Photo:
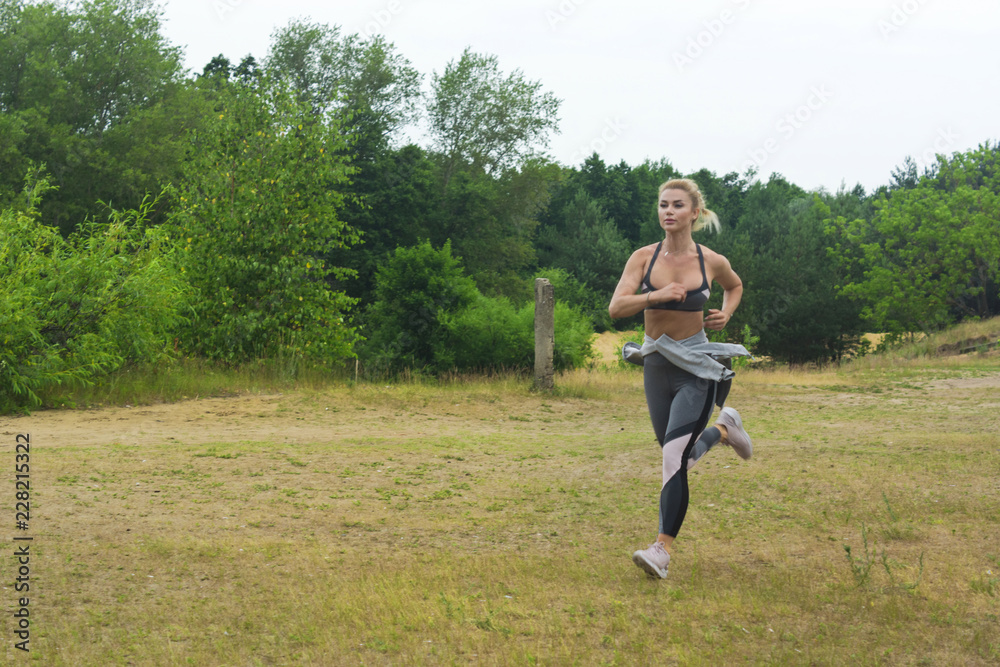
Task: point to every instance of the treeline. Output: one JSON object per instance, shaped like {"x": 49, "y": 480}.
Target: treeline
{"x": 275, "y": 208}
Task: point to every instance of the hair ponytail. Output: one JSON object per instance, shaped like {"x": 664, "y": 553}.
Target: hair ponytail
{"x": 707, "y": 220}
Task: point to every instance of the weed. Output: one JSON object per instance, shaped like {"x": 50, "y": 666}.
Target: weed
{"x": 892, "y": 515}
{"x": 986, "y": 586}
{"x": 489, "y": 624}
{"x": 861, "y": 565}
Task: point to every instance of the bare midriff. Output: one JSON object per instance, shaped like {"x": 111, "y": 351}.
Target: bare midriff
{"x": 676, "y": 324}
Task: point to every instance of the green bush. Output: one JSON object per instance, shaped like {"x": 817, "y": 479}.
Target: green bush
{"x": 573, "y": 337}
{"x": 490, "y": 333}
{"x": 73, "y": 310}
{"x": 429, "y": 317}
{"x": 414, "y": 290}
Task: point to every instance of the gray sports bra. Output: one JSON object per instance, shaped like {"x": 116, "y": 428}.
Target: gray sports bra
{"x": 695, "y": 299}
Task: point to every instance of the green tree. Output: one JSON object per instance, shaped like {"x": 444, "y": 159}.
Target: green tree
{"x": 591, "y": 249}
{"x": 373, "y": 88}
{"x": 797, "y": 311}
{"x": 374, "y": 93}
{"x": 258, "y": 211}
{"x": 481, "y": 118}
{"x": 590, "y": 245}
{"x": 399, "y": 202}
{"x": 220, "y": 72}
{"x": 778, "y": 247}
{"x": 491, "y": 220}
{"x": 931, "y": 254}
{"x": 626, "y": 194}
{"x": 906, "y": 175}
{"x": 727, "y": 196}
{"x": 91, "y": 90}
{"x": 487, "y": 128}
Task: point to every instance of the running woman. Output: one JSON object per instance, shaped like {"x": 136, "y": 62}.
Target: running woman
{"x": 670, "y": 282}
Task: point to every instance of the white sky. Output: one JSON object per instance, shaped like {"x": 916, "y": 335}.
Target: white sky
{"x": 822, "y": 91}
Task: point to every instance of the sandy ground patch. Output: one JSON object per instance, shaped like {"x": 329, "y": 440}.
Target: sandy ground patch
{"x": 608, "y": 346}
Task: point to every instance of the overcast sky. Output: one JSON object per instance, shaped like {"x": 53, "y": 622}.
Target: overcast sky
{"x": 822, "y": 92}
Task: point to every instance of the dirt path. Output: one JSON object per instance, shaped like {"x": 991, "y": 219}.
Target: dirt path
{"x": 302, "y": 417}
{"x": 210, "y": 419}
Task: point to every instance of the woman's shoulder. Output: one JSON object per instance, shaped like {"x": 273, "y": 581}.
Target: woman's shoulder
{"x": 714, "y": 259}
{"x": 645, "y": 251}
{"x": 640, "y": 258}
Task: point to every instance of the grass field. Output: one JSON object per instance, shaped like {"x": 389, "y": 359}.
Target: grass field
{"x": 478, "y": 522}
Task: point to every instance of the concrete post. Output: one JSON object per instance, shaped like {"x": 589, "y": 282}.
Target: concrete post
{"x": 545, "y": 332}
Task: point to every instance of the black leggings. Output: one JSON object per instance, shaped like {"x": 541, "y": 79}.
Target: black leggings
{"x": 680, "y": 405}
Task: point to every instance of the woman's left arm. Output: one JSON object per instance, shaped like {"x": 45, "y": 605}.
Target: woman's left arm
{"x": 723, "y": 273}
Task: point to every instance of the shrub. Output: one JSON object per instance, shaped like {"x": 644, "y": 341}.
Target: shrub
{"x": 428, "y": 316}
{"x": 492, "y": 334}
{"x": 573, "y": 338}
{"x": 414, "y": 290}
{"x": 74, "y": 310}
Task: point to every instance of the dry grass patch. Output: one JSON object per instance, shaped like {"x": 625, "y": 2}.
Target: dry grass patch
{"x": 481, "y": 522}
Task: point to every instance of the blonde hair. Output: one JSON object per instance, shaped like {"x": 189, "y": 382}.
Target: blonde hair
{"x": 706, "y": 218}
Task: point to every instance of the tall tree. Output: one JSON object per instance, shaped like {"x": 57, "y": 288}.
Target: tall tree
{"x": 399, "y": 204}
{"x": 590, "y": 249}
{"x": 486, "y": 120}
{"x": 778, "y": 248}
{"x": 491, "y": 221}
{"x": 374, "y": 92}
{"x": 374, "y": 89}
{"x": 905, "y": 175}
{"x": 258, "y": 212}
{"x": 73, "y": 80}
{"x": 931, "y": 254}
{"x": 589, "y": 246}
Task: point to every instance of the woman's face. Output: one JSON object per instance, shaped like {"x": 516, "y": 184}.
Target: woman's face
{"x": 676, "y": 210}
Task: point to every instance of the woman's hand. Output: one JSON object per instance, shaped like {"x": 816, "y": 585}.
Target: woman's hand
{"x": 716, "y": 320}
{"x": 672, "y": 292}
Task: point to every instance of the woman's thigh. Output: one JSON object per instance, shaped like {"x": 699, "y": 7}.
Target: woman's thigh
{"x": 656, "y": 379}
{"x": 691, "y": 406}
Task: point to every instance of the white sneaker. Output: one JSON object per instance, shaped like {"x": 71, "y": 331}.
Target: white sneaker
{"x": 653, "y": 560}
{"x": 737, "y": 438}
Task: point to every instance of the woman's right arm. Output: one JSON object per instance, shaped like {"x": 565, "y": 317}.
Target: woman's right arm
{"x": 626, "y": 302}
